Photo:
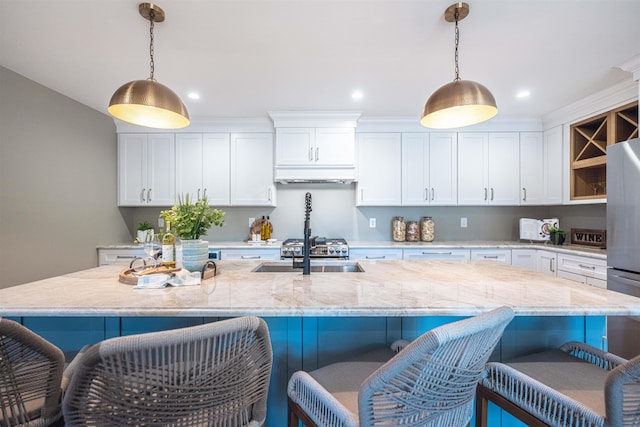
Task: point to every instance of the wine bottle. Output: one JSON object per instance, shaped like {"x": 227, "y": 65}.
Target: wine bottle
{"x": 266, "y": 229}
{"x": 169, "y": 248}
{"x": 263, "y": 224}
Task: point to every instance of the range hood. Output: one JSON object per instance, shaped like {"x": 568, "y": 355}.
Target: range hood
{"x": 315, "y": 147}
{"x": 315, "y": 176}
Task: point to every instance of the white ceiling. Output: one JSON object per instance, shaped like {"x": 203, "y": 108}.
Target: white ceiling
{"x": 249, "y": 57}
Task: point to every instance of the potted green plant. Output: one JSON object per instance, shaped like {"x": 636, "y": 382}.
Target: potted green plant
{"x": 556, "y": 235}
{"x": 189, "y": 221}
{"x": 143, "y": 230}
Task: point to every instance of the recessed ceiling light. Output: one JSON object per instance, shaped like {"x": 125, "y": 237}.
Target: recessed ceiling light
{"x": 523, "y": 94}
{"x": 357, "y": 95}
{"x": 193, "y": 95}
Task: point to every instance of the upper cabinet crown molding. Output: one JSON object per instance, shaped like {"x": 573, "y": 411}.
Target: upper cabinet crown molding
{"x": 315, "y": 119}
{"x": 210, "y": 125}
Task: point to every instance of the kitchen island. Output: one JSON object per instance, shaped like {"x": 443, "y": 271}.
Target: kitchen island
{"x": 317, "y": 319}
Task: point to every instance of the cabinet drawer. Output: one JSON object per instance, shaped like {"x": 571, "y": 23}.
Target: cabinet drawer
{"x": 250, "y": 254}
{"x": 374, "y": 254}
{"x": 501, "y": 255}
{"x": 110, "y": 256}
{"x": 588, "y": 267}
{"x": 450, "y": 254}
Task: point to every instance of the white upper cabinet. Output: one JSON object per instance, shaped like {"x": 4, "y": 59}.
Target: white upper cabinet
{"x": 429, "y": 169}
{"x": 315, "y": 147}
{"x": 553, "y": 166}
{"x": 146, "y": 169}
{"x": 203, "y": 167}
{"x": 252, "y": 169}
{"x": 488, "y": 166}
{"x": 379, "y": 162}
{"x": 531, "y": 168}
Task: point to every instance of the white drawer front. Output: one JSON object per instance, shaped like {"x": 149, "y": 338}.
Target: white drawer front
{"x": 110, "y": 256}
{"x": 588, "y": 267}
{"x": 450, "y": 254}
{"x": 500, "y": 255}
{"x": 250, "y": 254}
{"x": 375, "y": 254}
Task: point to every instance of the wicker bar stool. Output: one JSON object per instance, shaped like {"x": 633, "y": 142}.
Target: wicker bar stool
{"x": 30, "y": 378}
{"x": 212, "y": 374}
{"x": 431, "y": 382}
{"x": 576, "y": 385}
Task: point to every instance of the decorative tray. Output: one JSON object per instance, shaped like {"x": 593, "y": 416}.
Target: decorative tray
{"x": 130, "y": 275}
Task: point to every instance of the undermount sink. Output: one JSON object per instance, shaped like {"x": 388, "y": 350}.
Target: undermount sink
{"x": 321, "y": 267}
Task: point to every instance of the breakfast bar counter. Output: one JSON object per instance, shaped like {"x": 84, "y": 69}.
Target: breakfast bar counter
{"x": 322, "y": 317}
{"x": 385, "y": 288}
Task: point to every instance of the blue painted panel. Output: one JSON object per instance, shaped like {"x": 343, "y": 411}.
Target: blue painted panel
{"x": 277, "y": 402}
{"x": 141, "y": 325}
{"x": 69, "y": 334}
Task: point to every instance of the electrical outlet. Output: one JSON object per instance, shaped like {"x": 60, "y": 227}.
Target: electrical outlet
{"x": 463, "y": 222}
{"x": 372, "y": 223}
{"x": 251, "y": 221}
{"x": 160, "y": 222}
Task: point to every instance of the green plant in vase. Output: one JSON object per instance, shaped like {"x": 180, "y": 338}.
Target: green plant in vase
{"x": 144, "y": 232}
{"x": 189, "y": 221}
{"x": 556, "y": 235}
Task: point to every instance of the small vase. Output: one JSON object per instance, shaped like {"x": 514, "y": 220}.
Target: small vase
{"x": 195, "y": 254}
{"x": 557, "y": 238}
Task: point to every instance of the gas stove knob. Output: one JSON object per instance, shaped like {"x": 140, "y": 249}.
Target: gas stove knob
{"x": 343, "y": 249}
{"x": 331, "y": 249}
{"x": 297, "y": 249}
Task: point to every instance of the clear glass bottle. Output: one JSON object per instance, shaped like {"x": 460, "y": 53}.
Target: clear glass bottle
{"x": 399, "y": 229}
{"x": 413, "y": 231}
{"x": 427, "y": 229}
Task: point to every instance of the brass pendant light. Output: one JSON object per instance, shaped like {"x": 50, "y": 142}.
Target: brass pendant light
{"x": 461, "y": 102}
{"x": 147, "y": 102}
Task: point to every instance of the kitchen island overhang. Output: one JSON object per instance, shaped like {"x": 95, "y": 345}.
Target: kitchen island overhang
{"x": 318, "y": 319}
{"x": 385, "y": 288}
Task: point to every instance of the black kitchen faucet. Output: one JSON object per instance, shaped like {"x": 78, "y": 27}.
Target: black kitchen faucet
{"x": 306, "y": 261}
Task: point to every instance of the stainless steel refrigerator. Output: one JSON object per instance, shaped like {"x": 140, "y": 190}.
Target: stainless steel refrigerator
{"x": 623, "y": 241}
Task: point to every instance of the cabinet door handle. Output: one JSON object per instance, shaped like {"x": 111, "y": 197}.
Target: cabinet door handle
{"x": 524, "y": 192}
{"x": 375, "y": 257}
{"x": 492, "y": 194}
{"x": 142, "y": 196}
{"x": 204, "y": 193}
{"x": 317, "y": 153}
{"x": 250, "y": 256}
{"x": 148, "y": 195}
{"x": 551, "y": 265}
{"x": 491, "y": 257}
{"x": 433, "y": 194}
{"x": 198, "y": 194}
{"x": 426, "y": 194}
{"x": 269, "y": 194}
{"x": 437, "y": 253}
{"x": 311, "y": 154}
{"x": 485, "y": 193}
{"x": 589, "y": 267}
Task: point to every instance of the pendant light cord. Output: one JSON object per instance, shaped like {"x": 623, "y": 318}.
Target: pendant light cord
{"x": 152, "y": 16}
{"x": 457, "y": 39}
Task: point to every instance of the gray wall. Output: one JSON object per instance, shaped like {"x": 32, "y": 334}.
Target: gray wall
{"x": 57, "y": 182}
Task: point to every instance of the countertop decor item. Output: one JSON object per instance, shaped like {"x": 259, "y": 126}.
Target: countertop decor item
{"x": 556, "y": 235}
{"x": 461, "y": 102}
{"x": 147, "y": 102}
{"x": 189, "y": 221}
{"x": 143, "y": 230}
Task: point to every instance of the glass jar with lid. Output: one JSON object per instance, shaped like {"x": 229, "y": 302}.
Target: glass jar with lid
{"x": 413, "y": 231}
{"x": 399, "y": 229}
{"x": 427, "y": 229}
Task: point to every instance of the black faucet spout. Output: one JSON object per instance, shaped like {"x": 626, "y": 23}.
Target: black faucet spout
{"x": 306, "y": 260}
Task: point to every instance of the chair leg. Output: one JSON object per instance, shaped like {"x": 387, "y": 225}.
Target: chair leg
{"x": 296, "y": 414}
{"x": 485, "y": 395}
{"x": 481, "y": 407}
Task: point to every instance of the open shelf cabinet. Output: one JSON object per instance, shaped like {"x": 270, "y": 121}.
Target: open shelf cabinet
{"x": 589, "y": 141}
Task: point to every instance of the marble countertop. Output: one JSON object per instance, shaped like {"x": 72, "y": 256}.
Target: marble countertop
{"x": 568, "y": 249}
{"x": 386, "y": 288}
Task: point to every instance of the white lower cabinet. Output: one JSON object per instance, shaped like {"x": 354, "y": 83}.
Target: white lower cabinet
{"x": 585, "y": 270}
{"x": 500, "y": 255}
{"x": 268, "y": 254}
{"x": 547, "y": 262}
{"x": 110, "y": 256}
{"x": 374, "y": 254}
{"x": 443, "y": 254}
{"x": 525, "y": 258}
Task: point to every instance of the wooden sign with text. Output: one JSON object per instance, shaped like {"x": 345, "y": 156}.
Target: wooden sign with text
{"x": 583, "y": 236}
